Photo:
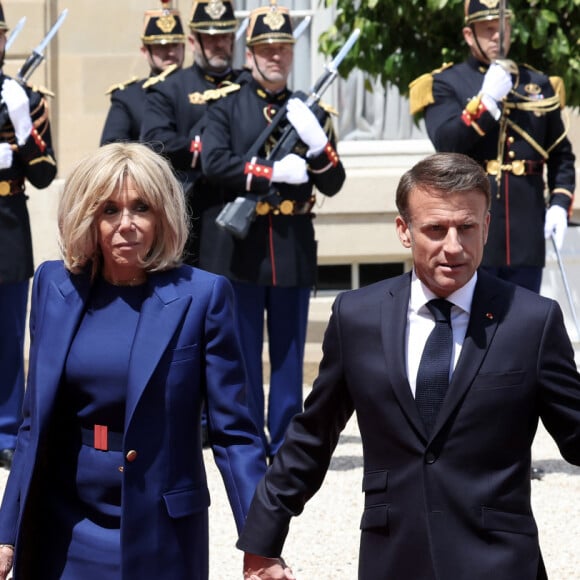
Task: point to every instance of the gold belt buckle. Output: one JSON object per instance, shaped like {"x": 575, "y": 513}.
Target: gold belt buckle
{"x": 286, "y": 207}
{"x": 493, "y": 167}
{"x": 4, "y": 188}
{"x": 262, "y": 208}
{"x": 518, "y": 167}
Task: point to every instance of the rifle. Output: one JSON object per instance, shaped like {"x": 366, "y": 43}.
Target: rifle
{"x": 237, "y": 216}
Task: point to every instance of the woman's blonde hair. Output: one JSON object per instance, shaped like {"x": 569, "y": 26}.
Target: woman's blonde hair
{"x": 100, "y": 175}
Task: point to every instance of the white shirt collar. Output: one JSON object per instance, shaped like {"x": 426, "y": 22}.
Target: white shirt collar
{"x": 462, "y": 298}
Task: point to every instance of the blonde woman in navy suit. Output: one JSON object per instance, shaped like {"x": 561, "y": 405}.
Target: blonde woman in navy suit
{"x": 108, "y": 479}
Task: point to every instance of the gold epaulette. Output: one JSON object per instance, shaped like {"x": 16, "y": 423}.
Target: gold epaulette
{"x": 215, "y": 94}
{"x": 560, "y": 89}
{"x": 328, "y": 108}
{"x": 121, "y": 86}
{"x": 160, "y": 77}
{"x": 42, "y": 90}
{"x": 421, "y": 90}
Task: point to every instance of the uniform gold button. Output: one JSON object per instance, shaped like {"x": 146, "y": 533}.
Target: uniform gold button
{"x": 131, "y": 455}
{"x": 511, "y": 154}
{"x": 4, "y": 187}
{"x": 510, "y": 140}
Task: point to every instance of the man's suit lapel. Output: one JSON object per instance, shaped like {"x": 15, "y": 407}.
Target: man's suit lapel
{"x": 487, "y": 309}
{"x": 394, "y": 321}
{"x": 160, "y": 316}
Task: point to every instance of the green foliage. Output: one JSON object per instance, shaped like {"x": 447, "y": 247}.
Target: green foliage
{"x": 402, "y": 39}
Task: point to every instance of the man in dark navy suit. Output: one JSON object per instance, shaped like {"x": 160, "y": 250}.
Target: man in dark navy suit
{"x": 446, "y": 471}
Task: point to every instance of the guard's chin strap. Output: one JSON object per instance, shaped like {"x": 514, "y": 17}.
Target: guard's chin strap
{"x": 257, "y": 67}
{"x": 155, "y": 70}
{"x": 482, "y": 52}
{"x": 205, "y": 60}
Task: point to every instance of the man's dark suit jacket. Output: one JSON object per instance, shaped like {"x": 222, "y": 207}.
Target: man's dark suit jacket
{"x": 455, "y": 506}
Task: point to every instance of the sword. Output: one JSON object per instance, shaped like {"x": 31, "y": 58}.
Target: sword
{"x": 501, "y": 15}
{"x": 37, "y": 55}
{"x": 566, "y": 287}
{"x": 15, "y": 32}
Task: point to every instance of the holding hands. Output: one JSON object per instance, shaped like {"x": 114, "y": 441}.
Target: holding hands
{"x": 261, "y": 568}
{"x": 6, "y": 559}
{"x": 306, "y": 125}
{"x": 18, "y": 107}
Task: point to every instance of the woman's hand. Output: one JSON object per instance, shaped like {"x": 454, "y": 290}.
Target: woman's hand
{"x": 6, "y": 559}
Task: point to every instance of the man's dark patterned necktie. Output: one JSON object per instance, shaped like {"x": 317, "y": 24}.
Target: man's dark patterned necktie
{"x": 433, "y": 373}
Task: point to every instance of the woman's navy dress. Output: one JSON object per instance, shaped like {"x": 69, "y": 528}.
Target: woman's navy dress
{"x": 83, "y": 502}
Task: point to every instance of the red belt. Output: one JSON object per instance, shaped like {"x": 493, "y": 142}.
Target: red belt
{"x": 101, "y": 438}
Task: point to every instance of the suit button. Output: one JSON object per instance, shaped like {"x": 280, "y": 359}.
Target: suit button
{"x": 131, "y": 455}
{"x": 430, "y": 458}
{"x": 121, "y": 468}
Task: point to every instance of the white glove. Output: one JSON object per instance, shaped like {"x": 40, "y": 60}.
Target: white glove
{"x": 497, "y": 83}
{"x": 18, "y": 107}
{"x": 290, "y": 169}
{"x": 306, "y": 125}
{"x": 556, "y": 224}
{"x": 5, "y": 156}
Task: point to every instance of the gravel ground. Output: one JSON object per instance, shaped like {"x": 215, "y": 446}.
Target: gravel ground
{"x": 323, "y": 541}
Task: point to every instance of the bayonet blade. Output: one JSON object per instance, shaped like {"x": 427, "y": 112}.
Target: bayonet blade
{"x": 15, "y": 32}
{"x": 44, "y": 43}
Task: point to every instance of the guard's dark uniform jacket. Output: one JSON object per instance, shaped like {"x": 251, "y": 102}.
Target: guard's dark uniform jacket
{"x": 514, "y": 150}
{"x": 172, "y": 125}
{"x": 125, "y": 116}
{"x": 280, "y": 249}
{"x": 174, "y": 106}
{"x": 35, "y": 162}
{"x": 123, "y": 122}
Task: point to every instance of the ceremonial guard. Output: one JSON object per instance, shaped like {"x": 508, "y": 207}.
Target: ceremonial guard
{"x": 25, "y": 154}
{"x": 507, "y": 117}
{"x": 176, "y": 104}
{"x": 164, "y": 49}
{"x": 274, "y": 268}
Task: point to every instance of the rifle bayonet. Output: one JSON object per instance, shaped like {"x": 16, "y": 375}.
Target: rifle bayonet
{"x": 37, "y": 55}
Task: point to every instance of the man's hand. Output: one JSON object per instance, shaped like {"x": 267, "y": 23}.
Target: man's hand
{"x": 6, "y": 156}
{"x": 18, "y": 107}
{"x": 556, "y": 224}
{"x": 290, "y": 169}
{"x": 307, "y": 126}
{"x": 261, "y": 568}
{"x": 497, "y": 82}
